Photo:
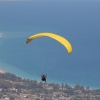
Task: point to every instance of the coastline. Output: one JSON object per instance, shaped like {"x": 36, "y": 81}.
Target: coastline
{"x": 2, "y": 71}
{"x": 22, "y": 74}
{"x": 49, "y": 81}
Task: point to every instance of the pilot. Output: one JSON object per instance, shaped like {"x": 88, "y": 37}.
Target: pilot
{"x": 43, "y": 78}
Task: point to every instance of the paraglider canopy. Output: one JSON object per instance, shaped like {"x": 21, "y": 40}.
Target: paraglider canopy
{"x": 56, "y": 37}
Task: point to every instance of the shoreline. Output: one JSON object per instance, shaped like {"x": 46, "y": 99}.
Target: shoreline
{"x": 25, "y": 75}
{"x": 49, "y": 81}
{"x": 2, "y": 71}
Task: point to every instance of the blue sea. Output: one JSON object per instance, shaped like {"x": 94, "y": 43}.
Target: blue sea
{"x": 76, "y": 20}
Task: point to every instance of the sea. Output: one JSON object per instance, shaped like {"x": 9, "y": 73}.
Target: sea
{"x": 76, "y": 20}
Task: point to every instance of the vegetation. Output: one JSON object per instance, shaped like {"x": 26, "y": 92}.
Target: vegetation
{"x": 16, "y": 88}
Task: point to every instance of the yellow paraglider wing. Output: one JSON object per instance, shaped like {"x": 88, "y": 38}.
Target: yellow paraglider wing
{"x": 58, "y": 38}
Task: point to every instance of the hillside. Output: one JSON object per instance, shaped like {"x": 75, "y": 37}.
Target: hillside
{"x": 17, "y": 88}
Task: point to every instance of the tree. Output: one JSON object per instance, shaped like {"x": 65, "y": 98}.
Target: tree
{"x": 12, "y": 98}
{"x": 77, "y": 87}
{"x": 67, "y": 86}
{"x": 69, "y": 91}
{"x": 62, "y": 86}
{"x": 87, "y": 88}
{"x": 37, "y": 99}
{"x": 1, "y": 95}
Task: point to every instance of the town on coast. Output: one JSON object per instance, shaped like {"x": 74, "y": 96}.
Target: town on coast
{"x": 13, "y": 87}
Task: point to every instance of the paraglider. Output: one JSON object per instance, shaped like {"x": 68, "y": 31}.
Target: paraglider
{"x": 43, "y": 78}
{"x": 56, "y": 37}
